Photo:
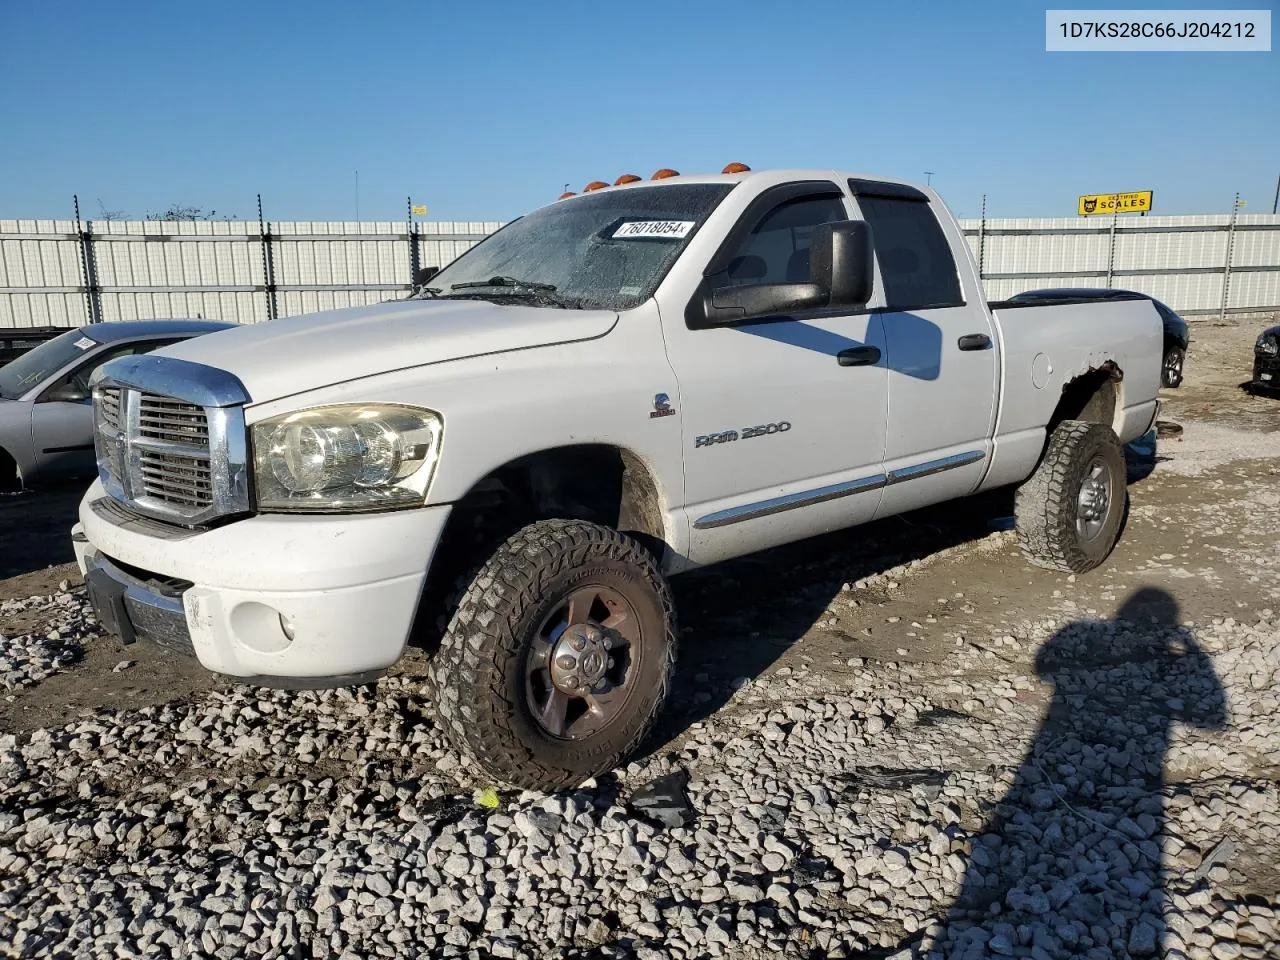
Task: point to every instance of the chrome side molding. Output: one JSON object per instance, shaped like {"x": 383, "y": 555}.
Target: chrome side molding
{"x": 930, "y": 467}
{"x": 806, "y": 498}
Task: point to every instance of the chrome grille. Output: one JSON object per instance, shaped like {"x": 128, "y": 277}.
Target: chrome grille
{"x": 185, "y": 481}
{"x": 109, "y": 399}
{"x": 176, "y": 421}
{"x": 177, "y": 453}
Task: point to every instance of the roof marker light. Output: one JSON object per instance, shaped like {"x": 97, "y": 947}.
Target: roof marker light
{"x": 594, "y": 185}
{"x": 664, "y": 173}
{"x": 736, "y": 167}
{"x": 626, "y": 178}
{"x": 566, "y": 195}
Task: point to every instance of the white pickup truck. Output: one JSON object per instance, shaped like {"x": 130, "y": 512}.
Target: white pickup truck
{"x": 620, "y": 386}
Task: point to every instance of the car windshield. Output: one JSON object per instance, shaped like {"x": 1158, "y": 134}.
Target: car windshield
{"x": 605, "y": 250}
{"x": 38, "y": 364}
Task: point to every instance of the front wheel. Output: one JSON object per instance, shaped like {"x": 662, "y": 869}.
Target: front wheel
{"x": 1070, "y": 511}
{"x": 1171, "y": 369}
{"x": 10, "y": 481}
{"x": 559, "y": 657}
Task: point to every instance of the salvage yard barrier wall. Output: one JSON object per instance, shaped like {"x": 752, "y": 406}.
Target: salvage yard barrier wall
{"x": 66, "y": 273}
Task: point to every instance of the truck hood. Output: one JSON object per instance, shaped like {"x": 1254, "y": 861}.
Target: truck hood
{"x": 280, "y": 358}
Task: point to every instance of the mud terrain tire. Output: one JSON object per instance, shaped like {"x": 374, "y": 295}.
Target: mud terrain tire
{"x": 1071, "y": 509}
{"x": 485, "y": 677}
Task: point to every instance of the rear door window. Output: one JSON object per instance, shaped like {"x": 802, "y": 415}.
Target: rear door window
{"x": 916, "y": 266}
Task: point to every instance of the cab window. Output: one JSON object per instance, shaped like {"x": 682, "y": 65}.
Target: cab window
{"x": 777, "y": 248}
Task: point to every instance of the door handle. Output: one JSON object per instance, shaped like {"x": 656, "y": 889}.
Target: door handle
{"x": 974, "y": 341}
{"x": 858, "y": 357}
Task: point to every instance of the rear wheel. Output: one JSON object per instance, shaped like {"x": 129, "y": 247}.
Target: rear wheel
{"x": 1171, "y": 369}
{"x": 1070, "y": 511}
{"x": 559, "y": 656}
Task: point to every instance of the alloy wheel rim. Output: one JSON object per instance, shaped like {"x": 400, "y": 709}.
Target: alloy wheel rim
{"x": 1093, "y": 502}
{"x": 582, "y": 665}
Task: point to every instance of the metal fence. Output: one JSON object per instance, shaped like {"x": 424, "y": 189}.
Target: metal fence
{"x": 68, "y": 272}
{"x": 1198, "y": 265}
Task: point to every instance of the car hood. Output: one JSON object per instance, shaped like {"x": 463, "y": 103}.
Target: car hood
{"x": 280, "y": 358}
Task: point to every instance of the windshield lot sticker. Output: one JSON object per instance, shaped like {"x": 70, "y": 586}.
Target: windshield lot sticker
{"x": 653, "y": 229}
{"x": 84, "y": 343}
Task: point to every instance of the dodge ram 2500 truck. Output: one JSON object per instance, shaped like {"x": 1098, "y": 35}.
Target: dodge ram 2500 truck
{"x": 620, "y": 386}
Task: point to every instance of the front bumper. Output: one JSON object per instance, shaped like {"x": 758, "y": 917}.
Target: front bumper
{"x": 283, "y": 600}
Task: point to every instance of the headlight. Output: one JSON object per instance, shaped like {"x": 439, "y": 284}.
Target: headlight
{"x": 356, "y": 456}
{"x": 1268, "y": 345}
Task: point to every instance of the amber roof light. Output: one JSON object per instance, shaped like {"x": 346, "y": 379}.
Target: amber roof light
{"x": 626, "y": 178}
{"x": 664, "y": 173}
{"x": 736, "y": 167}
{"x": 566, "y": 195}
{"x": 594, "y": 185}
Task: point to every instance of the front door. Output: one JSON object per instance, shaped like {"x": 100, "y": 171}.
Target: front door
{"x": 62, "y": 431}
{"x": 773, "y": 419}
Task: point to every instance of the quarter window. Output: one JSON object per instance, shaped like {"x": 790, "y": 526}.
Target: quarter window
{"x": 916, "y": 265}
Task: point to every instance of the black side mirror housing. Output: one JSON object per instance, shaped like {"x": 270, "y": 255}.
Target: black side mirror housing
{"x": 729, "y": 304}
{"x": 841, "y": 260}
{"x": 841, "y": 274}
{"x": 423, "y": 275}
{"x": 66, "y": 393}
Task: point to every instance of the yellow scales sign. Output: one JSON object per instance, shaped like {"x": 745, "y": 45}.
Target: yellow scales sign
{"x": 1100, "y": 203}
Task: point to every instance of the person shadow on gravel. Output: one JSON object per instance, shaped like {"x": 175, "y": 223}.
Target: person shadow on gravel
{"x": 1069, "y": 862}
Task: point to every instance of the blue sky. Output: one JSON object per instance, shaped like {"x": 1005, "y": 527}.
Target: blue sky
{"x": 483, "y": 110}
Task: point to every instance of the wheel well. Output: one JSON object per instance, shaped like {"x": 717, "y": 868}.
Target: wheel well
{"x": 9, "y": 478}
{"x": 594, "y": 482}
{"x": 1093, "y": 396}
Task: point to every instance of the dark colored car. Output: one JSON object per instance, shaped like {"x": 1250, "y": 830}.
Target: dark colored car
{"x": 1266, "y": 361}
{"x": 1176, "y": 334}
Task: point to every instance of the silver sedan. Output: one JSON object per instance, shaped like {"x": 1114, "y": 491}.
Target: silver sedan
{"x": 46, "y": 421}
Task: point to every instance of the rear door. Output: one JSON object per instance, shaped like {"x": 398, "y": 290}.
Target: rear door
{"x": 772, "y": 419}
{"x": 941, "y": 358}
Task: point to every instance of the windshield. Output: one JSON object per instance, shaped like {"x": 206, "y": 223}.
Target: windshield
{"x": 38, "y": 364}
{"x": 605, "y": 250}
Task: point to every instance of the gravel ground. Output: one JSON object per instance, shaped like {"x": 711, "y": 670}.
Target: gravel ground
{"x": 906, "y": 743}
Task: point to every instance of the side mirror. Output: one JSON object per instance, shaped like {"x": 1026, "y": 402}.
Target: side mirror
{"x": 66, "y": 393}
{"x": 423, "y": 275}
{"x": 729, "y": 304}
{"x": 841, "y": 258}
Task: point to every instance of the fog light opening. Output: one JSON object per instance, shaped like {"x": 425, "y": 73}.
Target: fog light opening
{"x": 261, "y": 628}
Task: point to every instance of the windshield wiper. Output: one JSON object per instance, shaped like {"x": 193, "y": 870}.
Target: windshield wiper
{"x": 423, "y": 292}
{"x": 511, "y": 288}
{"x": 504, "y": 282}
